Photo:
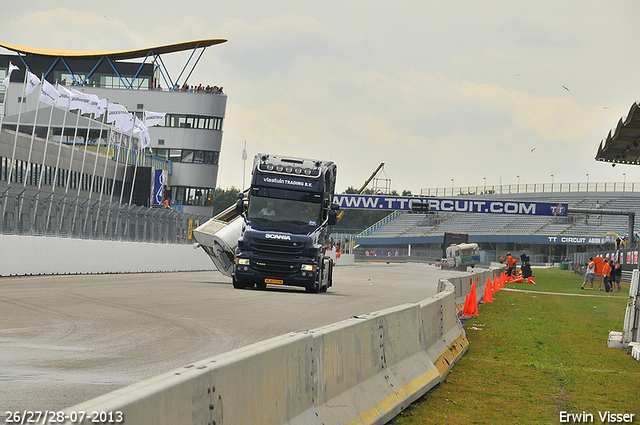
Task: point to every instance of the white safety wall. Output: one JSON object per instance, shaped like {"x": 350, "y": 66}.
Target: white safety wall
{"x": 32, "y": 255}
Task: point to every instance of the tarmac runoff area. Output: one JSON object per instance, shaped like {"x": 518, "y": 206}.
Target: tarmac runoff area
{"x": 68, "y": 339}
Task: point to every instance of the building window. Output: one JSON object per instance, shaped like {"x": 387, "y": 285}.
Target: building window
{"x": 188, "y": 156}
{"x": 193, "y": 121}
{"x": 198, "y": 196}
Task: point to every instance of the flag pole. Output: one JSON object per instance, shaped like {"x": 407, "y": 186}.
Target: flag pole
{"x": 15, "y": 142}
{"x": 93, "y": 174}
{"x": 244, "y": 163}
{"x": 73, "y": 148}
{"x": 57, "y": 169}
{"x": 28, "y": 171}
{"x": 33, "y": 135}
{"x": 138, "y": 155}
{"x": 84, "y": 157}
{"x": 6, "y": 92}
{"x": 44, "y": 156}
{"x": 15, "y": 139}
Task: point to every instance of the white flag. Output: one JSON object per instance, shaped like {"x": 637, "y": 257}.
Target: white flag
{"x": 145, "y": 140}
{"x": 117, "y": 112}
{"x": 101, "y": 109}
{"x": 244, "y": 153}
{"x": 153, "y": 118}
{"x": 94, "y": 102}
{"x": 49, "y": 94}
{"x": 12, "y": 68}
{"x": 139, "y": 126}
{"x": 80, "y": 101}
{"x": 124, "y": 123}
{"x": 32, "y": 82}
{"x": 64, "y": 96}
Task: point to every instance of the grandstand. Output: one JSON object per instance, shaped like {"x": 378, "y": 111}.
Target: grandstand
{"x": 499, "y": 233}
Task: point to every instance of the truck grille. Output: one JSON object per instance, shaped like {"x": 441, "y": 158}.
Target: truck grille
{"x": 277, "y": 247}
{"x": 275, "y": 268}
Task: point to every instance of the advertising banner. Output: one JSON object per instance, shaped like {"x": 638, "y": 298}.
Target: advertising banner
{"x": 159, "y": 182}
{"x": 408, "y": 203}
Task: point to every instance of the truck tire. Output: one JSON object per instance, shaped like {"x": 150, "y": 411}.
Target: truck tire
{"x": 236, "y": 284}
{"x": 314, "y": 289}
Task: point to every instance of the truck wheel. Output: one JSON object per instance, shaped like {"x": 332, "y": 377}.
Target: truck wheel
{"x": 236, "y": 284}
{"x": 315, "y": 288}
{"x": 330, "y": 274}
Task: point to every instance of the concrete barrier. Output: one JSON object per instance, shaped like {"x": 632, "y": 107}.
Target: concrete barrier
{"x": 32, "y": 255}
{"x": 363, "y": 370}
{"x": 343, "y": 260}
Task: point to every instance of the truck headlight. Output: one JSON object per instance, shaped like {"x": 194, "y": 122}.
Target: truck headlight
{"x": 242, "y": 261}
{"x": 308, "y": 268}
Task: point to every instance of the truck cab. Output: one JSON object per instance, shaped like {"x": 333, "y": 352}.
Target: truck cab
{"x": 287, "y": 221}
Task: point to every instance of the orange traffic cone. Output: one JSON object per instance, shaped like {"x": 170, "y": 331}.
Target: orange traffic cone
{"x": 470, "y": 307}
{"x": 488, "y": 292}
{"x": 496, "y": 284}
{"x": 531, "y": 280}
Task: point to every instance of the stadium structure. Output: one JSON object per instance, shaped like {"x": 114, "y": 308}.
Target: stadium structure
{"x": 601, "y": 218}
{"x": 186, "y": 144}
{"x": 543, "y": 238}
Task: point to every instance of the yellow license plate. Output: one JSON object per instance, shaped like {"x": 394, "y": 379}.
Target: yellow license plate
{"x": 279, "y": 282}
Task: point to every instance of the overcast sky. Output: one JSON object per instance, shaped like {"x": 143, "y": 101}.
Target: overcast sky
{"x": 462, "y": 90}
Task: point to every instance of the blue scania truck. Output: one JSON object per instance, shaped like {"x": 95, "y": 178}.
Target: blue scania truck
{"x": 280, "y": 233}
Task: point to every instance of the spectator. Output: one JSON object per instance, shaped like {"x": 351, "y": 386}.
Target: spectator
{"x": 591, "y": 271}
{"x": 510, "y": 264}
{"x": 617, "y": 275}
{"x": 606, "y": 273}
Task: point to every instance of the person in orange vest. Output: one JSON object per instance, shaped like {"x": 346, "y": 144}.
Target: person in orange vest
{"x": 509, "y": 264}
{"x": 606, "y": 273}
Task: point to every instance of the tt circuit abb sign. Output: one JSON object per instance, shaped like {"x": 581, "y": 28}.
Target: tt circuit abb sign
{"x": 464, "y": 205}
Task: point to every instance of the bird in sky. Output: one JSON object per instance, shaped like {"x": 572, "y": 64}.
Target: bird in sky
{"x": 565, "y": 88}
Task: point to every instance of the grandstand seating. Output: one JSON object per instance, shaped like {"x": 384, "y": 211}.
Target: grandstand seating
{"x": 412, "y": 224}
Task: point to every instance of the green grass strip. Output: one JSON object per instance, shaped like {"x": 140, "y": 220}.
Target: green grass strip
{"x": 534, "y": 354}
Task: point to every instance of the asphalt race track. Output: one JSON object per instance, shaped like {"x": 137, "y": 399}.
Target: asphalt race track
{"x": 67, "y": 339}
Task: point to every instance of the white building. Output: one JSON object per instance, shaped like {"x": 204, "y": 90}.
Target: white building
{"x": 187, "y": 144}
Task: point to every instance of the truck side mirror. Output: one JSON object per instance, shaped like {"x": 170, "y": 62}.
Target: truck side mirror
{"x": 333, "y": 217}
{"x": 333, "y": 214}
{"x": 240, "y": 204}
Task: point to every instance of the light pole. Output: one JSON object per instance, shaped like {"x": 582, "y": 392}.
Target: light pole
{"x": 624, "y": 180}
{"x": 518, "y": 177}
{"x": 452, "y": 182}
{"x": 552, "y": 182}
{"x": 485, "y": 184}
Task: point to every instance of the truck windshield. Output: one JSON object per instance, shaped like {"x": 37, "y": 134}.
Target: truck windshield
{"x": 284, "y": 214}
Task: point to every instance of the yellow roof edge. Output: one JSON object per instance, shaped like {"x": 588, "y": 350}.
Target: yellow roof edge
{"x": 113, "y": 54}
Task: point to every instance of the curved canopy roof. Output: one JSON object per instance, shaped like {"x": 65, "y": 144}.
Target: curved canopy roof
{"x": 623, "y": 145}
{"x": 112, "y": 54}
